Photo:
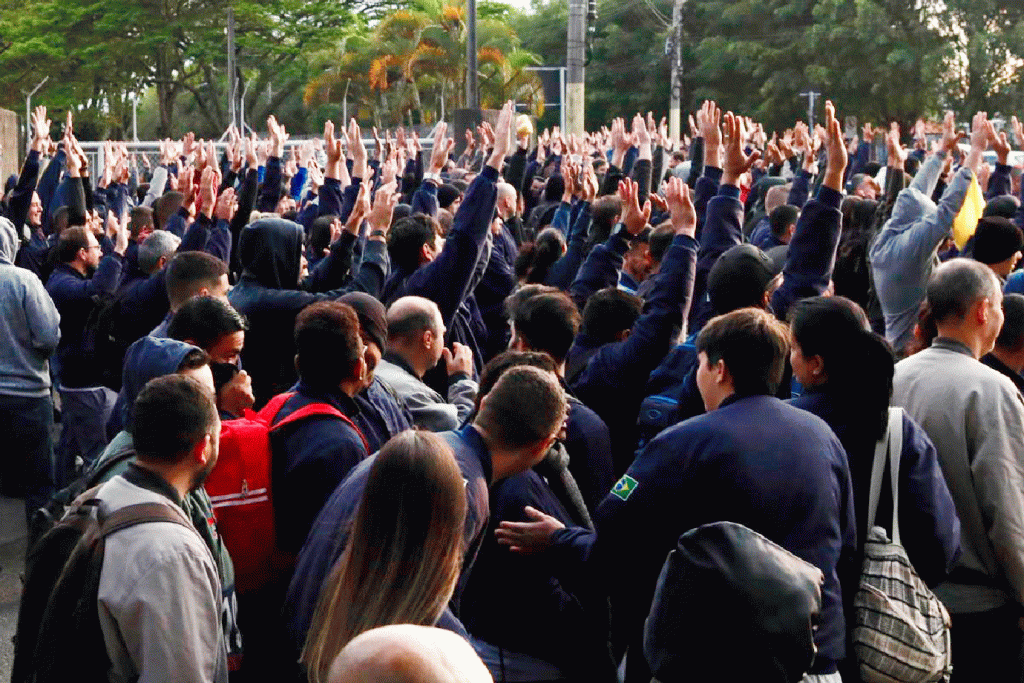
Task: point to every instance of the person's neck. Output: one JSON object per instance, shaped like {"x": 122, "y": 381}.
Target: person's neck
{"x": 1011, "y": 359}
{"x": 79, "y": 267}
{"x": 502, "y": 459}
{"x": 413, "y": 358}
{"x": 350, "y": 387}
{"x": 177, "y": 478}
{"x": 967, "y": 337}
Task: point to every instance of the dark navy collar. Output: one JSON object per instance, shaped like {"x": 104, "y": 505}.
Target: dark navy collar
{"x": 471, "y": 437}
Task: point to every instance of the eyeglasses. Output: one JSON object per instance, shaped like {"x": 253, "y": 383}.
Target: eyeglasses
{"x": 92, "y": 246}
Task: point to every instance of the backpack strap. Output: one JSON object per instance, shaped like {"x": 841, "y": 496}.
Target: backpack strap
{"x": 313, "y": 410}
{"x": 142, "y": 513}
{"x": 273, "y": 407}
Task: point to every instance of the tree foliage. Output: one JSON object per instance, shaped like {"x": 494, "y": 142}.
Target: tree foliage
{"x": 412, "y": 67}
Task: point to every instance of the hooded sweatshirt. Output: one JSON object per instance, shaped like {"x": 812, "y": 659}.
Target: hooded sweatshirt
{"x": 146, "y": 359}
{"x": 29, "y": 324}
{"x": 270, "y": 295}
{"x": 903, "y": 255}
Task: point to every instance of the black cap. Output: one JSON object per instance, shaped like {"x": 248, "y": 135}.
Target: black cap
{"x": 739, "y": 278}
{"x": 996, "y": 239}
{"x": 372, "y": 316}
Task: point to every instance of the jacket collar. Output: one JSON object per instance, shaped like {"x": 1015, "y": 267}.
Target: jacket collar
{"x": 151, "y": 481}
{"x": 948, "y": 344}
{"x": 474, "y": 442}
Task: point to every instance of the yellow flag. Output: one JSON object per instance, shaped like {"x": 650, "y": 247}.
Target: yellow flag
{"x": 966, "y": 222}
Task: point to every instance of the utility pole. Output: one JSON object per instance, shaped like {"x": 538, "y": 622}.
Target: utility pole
{"x": 28, "y": 113}
{"x": 675, "y": 104}
{"x": 811, "y": 95}
{"x": 576, "y": 45}
{"x": 472, "y": 93}
{"x": 232, "y": 77}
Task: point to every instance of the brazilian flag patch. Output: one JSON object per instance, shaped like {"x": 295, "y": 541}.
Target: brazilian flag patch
{"x": 624, "y": 487}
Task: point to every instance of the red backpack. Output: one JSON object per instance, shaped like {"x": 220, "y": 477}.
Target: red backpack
{"x": 240, "y": 490}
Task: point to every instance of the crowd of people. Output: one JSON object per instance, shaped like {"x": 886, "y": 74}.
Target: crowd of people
{"x": 497, "y": 390}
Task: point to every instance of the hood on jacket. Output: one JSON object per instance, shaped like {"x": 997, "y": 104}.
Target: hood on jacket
{"x": 9, "y": 242}
{"x": 147, "y": 359}
{"x": 270, "y": 250}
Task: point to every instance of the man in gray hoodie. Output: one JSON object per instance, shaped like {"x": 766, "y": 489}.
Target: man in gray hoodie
{"x": 904, "y": 253}
{"x": 29, "y": 332}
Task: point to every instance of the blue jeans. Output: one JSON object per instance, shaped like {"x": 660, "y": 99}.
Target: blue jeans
{"x": 27, "y": 469}
{"x": 84, "y": 415}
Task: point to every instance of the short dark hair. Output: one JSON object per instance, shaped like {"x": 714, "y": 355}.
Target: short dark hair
{"x": 406, "y": 239}
{"x": 781, "y": 218}
{"x": 166, "y": 206}
{"x": 71, "y": 240}
{"x": 204, "y": 320}
{"x": 1011, "y": 335}
{"x": 327, "y": 343}
{"x": 525, "y": 405}
{"x": 549, "y": 322}
{"x": 660, "y": 240}
{"x": 603, "y": 213}
{"x": 139, "y": 218}
{"x": 609, "y": 312}
{"x": 190, "y": 271}
{"x": 171, "y": 415}
{"x": 956, "y": 285}
{"x": 59, "y": 220}
{"x": 754, "y": 346}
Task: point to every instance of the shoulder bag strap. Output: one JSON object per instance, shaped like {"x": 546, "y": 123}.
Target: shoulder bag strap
{"x": 142, "y": 513}
{"x": 877, "y": 468}
{"x": 895, "y": 451}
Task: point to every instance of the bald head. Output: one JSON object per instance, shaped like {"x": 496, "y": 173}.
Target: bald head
{"x": 410, "y": 316}
{"x": 958, "y": 284}
{"x": 506, "y": 199}
{"x": 776, "y": 197}
{"x": 408, "y": 654}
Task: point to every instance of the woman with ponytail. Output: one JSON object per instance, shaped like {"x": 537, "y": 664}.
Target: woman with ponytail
{"x": 536, "y": 258}
{"x": 846, "y": 371}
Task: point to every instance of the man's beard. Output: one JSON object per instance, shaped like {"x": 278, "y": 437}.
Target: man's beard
{"x": 199, "y": 478}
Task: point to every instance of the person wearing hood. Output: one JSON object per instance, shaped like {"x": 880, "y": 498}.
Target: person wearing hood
{"x": 904, "y": 253}
{"x": 275, "y": 287}
{"x": 30, "y": 331}
{"x": 448, "y": 275}
{"x": 147, "y": 359}
{"x": 77, "y": 286}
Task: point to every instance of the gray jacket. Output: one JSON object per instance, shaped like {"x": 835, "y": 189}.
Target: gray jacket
{"x": 29, "y": 324}
{"x": 904, "y": 253}
{"x": 975, "y": 417}
{"x": 159, "y": 598}
{"x": 429, "y": 409}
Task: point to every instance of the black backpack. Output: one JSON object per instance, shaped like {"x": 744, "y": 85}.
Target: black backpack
{"x": 58, "y": 637}
{"x": 101, "y": 341}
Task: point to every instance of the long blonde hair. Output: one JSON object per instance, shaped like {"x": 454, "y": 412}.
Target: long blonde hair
{"x": 404, "y": 553}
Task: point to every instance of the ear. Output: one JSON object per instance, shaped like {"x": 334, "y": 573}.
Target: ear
{"x": 721, "y": 372}
{"x": 201, "y": 450}
{"x": 428, "y": 339}
{"x": 203, "y": 291}
{"x": 425, "y": 254}
{"x": 816, "y": 364}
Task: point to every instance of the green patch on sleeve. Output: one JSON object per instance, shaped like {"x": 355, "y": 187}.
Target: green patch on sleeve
{"x": 624, "y": 487}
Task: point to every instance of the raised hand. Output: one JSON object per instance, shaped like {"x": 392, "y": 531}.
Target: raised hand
{"x": 981, "y": 131}
{"x": 225, "y": 208}
{"x": 502, "y": 136}
{"x": 1018, "y": 131}
{"x": 835, "y": 149}
{"x": 384, "y": 202}
{"x": 897, "y": 155}
{"x": 188, "y": 145}
{"x": 709, "y": 119}
{"x": 442, "y": 147}
{"x": 736, "y": 162}
{"x": 634, "y": 217}
{"x": 999, "y": 144}
{"x": 278, "y": 136}
{"x": 642, "y": 136}
{"x": 950, "y": 136}
{"x": 590, "y": 185}
{"x": 359, "y": 210}
{"x": 684, "y": 216}
{"x": 40, "y": 129}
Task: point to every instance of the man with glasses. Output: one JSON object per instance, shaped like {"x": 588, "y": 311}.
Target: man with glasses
{"x": 78, "y": 285}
